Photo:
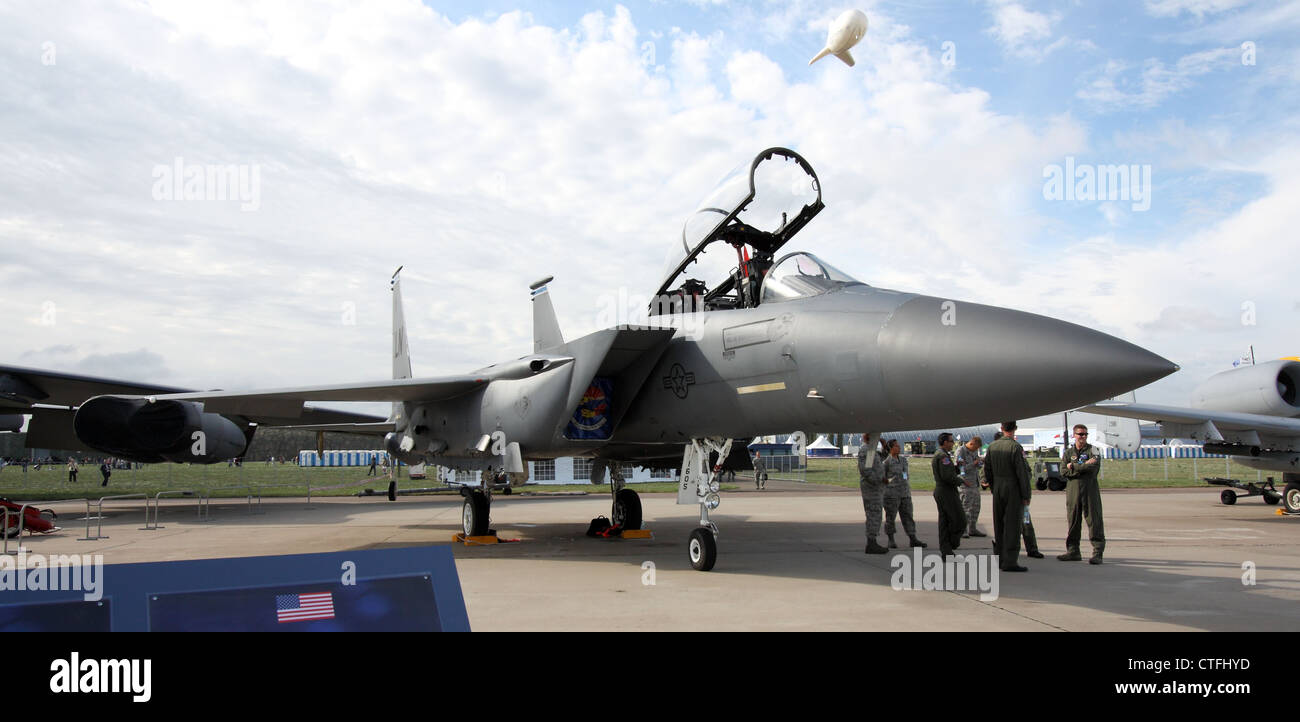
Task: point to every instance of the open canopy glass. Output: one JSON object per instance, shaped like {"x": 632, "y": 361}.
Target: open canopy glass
{"x": 728, "y": 242}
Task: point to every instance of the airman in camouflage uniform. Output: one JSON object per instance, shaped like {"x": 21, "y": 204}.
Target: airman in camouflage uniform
{"x": 760, "y": 471}
{"x": 1081, "y": 464}
{"x": 898, "y": 497}
{"x": 871, "y": 481}
{"x": 968, "y": 465}
{"x": 952, "y": 519}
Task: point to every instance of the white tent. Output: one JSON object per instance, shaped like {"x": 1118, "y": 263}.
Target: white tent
{"x": 822, "y": 447}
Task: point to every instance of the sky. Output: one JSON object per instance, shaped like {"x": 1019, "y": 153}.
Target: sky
{"x": 483, "y": 145}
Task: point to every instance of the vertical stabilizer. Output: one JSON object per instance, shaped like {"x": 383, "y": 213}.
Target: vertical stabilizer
{"x": 1119, "y": 432}
{"x": 1122, "y": 433}
{"x": 546, "y": 329}
{"x": 401, "y": 347}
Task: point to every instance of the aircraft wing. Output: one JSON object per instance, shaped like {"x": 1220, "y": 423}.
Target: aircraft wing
{"x": 377, "y": 428}
{"x": 34, "y": 391}
{"x": 20, "y": 388}
{"x": 288, "y": 403}
{"x": 1202, "y": 424}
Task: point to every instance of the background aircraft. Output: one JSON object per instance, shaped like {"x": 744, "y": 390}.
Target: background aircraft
{"x": 739, "y": 343}
{"x": 1249, "y": 413}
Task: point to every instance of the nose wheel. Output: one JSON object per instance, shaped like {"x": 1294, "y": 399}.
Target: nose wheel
{"x": 703, "y": 549}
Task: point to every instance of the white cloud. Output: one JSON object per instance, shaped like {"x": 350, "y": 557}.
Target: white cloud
{"x": 1199, "y": 8}
{"x": 1187, "y": 298}
{"x": 1113, "y": 88}
{"x": 485, "y": 154}
{"x": 1019, "y": 30}
{"x": 1264, "y": 19}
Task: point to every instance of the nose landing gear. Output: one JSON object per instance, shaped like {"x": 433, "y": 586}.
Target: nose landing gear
{"x": 701, "y": 487}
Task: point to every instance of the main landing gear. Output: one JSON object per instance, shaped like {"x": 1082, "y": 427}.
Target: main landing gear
{"x": 626, "y": 511}
{"x": 1291, "y": 494}
{"x": 702, "y": 548}
{"x": 476, "y": 511}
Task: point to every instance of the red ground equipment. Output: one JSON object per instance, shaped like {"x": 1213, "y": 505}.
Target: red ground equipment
{"x": 38, "y": 520}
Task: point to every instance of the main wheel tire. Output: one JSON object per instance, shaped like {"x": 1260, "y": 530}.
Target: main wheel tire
{"x": 627, "y": 509}
{"x": 1041, "y": 484}
{"x": 1228, "y": 497}
{"x": 703, "y": 550}
{"x": 12, "y": 531}
{"x": 1291, "y": 497}
{"x": 474, "y": 515}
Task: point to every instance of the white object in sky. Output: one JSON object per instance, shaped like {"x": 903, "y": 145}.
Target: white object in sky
{"x": 845, "y": 32}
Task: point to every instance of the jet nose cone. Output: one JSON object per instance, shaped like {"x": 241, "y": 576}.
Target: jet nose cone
{"x": 954, "y": 363}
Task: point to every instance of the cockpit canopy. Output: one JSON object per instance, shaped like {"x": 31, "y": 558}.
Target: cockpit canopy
{"x": 728, "y": 243}
{"x": 800, "y": 275}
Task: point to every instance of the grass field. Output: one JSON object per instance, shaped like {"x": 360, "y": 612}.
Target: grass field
{"x": 270, "y": 480}
{"x": 1131, "y": 474}
{"x": 221, "y": 481}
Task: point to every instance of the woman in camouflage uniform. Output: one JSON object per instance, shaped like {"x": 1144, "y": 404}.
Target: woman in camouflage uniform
{"x": 898, "y": 497}
{"x": 968, "y": 465}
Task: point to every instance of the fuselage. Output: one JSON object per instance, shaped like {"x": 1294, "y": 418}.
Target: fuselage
{"x": 855, "y": 358}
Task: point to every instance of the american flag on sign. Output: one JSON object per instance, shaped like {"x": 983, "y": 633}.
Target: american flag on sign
{"x": 301, "y": 607}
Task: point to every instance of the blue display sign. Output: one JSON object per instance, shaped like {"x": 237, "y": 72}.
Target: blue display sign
{"x": 402, "y": 589}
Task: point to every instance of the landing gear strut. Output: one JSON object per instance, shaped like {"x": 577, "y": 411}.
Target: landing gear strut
{"x": 702, "y": 488}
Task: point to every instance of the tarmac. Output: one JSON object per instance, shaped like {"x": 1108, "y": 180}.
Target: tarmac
{"x": 790, "y": 558}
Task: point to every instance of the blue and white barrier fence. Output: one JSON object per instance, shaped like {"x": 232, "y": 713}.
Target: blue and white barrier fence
{"x": 339, "y": 458}
{"x": 1162, "y": 452}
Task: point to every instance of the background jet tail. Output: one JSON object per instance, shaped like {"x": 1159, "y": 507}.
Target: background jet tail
{"x": 401, "y": 347}
{"x": 546, "y": 329}
{"x": 1121, "y": 433}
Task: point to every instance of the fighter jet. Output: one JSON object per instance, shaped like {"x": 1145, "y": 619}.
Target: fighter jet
{"x": 738, "y": 342}
{"x": 1251, "y": 413}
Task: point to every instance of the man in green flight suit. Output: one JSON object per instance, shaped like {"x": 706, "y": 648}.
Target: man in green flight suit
{"x": 1082, "y": 497}
{"x": 952, "y": 518}
{"x": 1008, "y": 475}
